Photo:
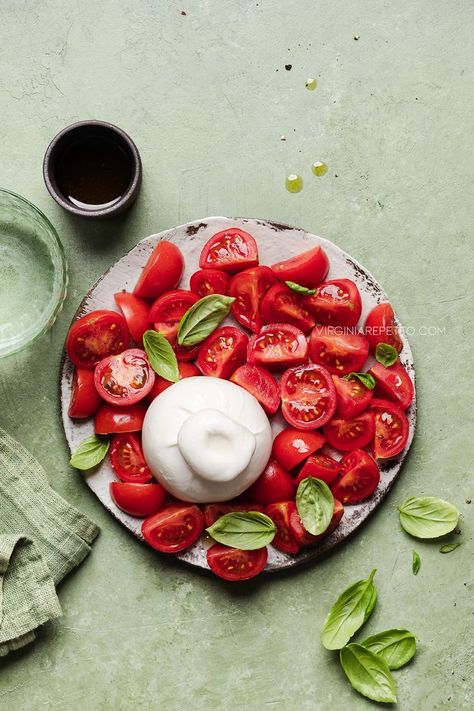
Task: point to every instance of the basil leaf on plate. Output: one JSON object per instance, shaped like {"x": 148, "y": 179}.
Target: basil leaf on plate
{"x": 315, "y": 504}
{"x": 365, "y": 378}
{"x": 449, "y": 547}
{"x": 245, "y": 530}
{"x": 396, "y": 647}
{"x": 90, "y": 452}
{"x": 352, "y": 608}
{"x": 203, "y": 318}
{"x": 386, "y": 354}
{"x": 368, "y": 673}
{"x": 415, "y": 563}
{"x": 428, "y": 517}
{"x": 300, "y": 289}
{"x": 161, "y": 355}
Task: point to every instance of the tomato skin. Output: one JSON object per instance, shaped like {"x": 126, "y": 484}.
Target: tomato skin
{"x": 168, "y": 309}
{"x": 336, "y": 302}
{"x": 280, "y": 514}
{"x": 229, "y": 250}
{"x": 96, "y": 335}
{"x": 282, "y": 305}
{"x": 308, "y": 396}
{"x": 319, "y": 466}
{"x": 248, "y": 289}
{"x": 307, "y": 269}
{"x": 127, "y": 460}
{"x": 303, "y": 537}
{"x": 352, "y": 433}
{"x": 85, "y": 400}
{"x": 278, "y": 345}
{"x": 341, "y": 353}
{"x": 234, "y": 564}
{"x": 186, "y": 353}
{"x": 209, "y": 281}
{"x": 292, "y": 446}
{"x": 173, "y": 528}
{"x": 391, "y": 428}
{"x": 135, "y": 312}
{"x": 274, "y": 484}
{"x": 222, "y": 352}
{"x": 110, "y": 419}
{"x": 352, "y": 397}
{"x": 213, "y": 512}
{"x": 359, "y": 478}
{"x": 393, "y": 383}
{"x": 259, "y": 383}
{"x": 124, "y": 379}
{"x": 138, "y": 500}
{"x": 162, "y": 271}
{"x": 380, "y": 327}
{"x": 186, "y": 370}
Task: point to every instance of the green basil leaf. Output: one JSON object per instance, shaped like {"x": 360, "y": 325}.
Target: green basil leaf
{"x": 203, "y": 318}
{"x": 365, "y": 378}
{"x": 90, "y": 452}
{"x": 386, "y": 354}
{"x": 428, "y": 517}
{"x": 245, "y": 530}
{"x": 352, "y": 608}
{"x": 396, "y": 647}
{"x": 161, "y": 355}
{"x": 415, "y": 563}
{"x": 368, "y": 673}
{"x": 449, "y": 547}
{"x": 315, "y": 504}
{"x": 300, "y": 289}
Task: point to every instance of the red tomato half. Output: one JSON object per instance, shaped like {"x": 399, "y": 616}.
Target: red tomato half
{"x": 209, "y": 281}
{"x": 230, "y": 250}
{"x": 135, "y": 312}
{"x": 186, "y": 353}
{"x": 259, "y": 383}
{"x": 186, "y": 370}
{"x": 213, "y": 512}
{"x": 274, "y": 484}
{"x": 174, "y": 528}
{"x": 336, "y": 302}
{"x": 350, "y": 434}
{"x": 339, "y": 352}
{"x": 308, "y": 396}
{"x": 95, "y": 336}
{"x": 110, "y": 419}
{"x": 352, "y": 396}
{"x": 282, "y": 305}
{"x": 137, "y": 499}
{"x": 359, "y": 478}
{"x": 307, "y": 269}
{"x": 393, "y": 383}
{"x": 280, "y": 514}
{"x": 248, "y": 289}
{"x": 162, "y": 272}
{"x": 127, "y": 460}
{"x": 124, "y": 379}
{"x": 277, "y": 346}
{"x": 291, "y": 446}
{"x": 380, "y": 328}
{"x": 391, "y": 429}
{"x": 168, "y": 310}
{"x": 319, "y": 466}
{"x": 85, "y": 400}
{"x": 235, "y": 564}
{"x": 222, "y": 352}
{"x": 303, "y": 537}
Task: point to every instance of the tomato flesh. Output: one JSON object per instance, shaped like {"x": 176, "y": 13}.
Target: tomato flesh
{"x": 213, "y": 512}
{"x": 230, "y": 250}
{"x": 336, "y": 302}
{"x": 303, "y": 537}
{"x": 222, "y": 352}
{"x": 124, "y": 379}
{"x": 292, "y": 446}
{"x": 186, "y": 370}
{"x": 359, "y": 478}
{"x": 319, "y": 466}
{"x": 248, "y": 289}
{"x": 352, "y": 396}
{"x": 259, "y": 383}
{"x": 380, "y": 327}
{"x": 85, "y": 400}
{"x": 174, "y": 528}
{"x": 135, "y": 312}
{"x": 127, "y": 460}
{"x": 393, "y": 383}
{"x": 274, "y": 484}
{"x": 339, "y": 352}
{"x": 209, "y": 281}
{"x": 110, "y": 419}
{"x": 352, "y": 433}
{"x": 168, "y": 310}
{"x": 138, "y": 500}
{"x": 282, "y": 305}
{"x": 280, "y": 514}
{"x": 162, "y": 271}
{"x": 307, "y": 269}
{"x": 235, "y": 564}
{"x": 95, "y": 336}
{"x": 308, "y": 396}
{"x": 278, "y": 345}
{"x": 391, "y": 429}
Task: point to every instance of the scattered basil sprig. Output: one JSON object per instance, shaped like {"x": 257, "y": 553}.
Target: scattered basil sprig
{"x": 161, "y": 355}
{"x": 396, "y": 647}
{"x": 315, "y": 504}
{"x": 90, "y": 452}
{"x": 203, "y": 318}
{"x": 428, "y": 517}
{"x": 386, "y": 354}
{"x": 300, "y": 289}
{"x": 352, "y": 608}
{"x": 245, "y": 530}
{"x": 365, "y": 378}
{"x": 368, "y": 673}
{"x": 449, "y": 547}
{"x": 415, "y": 563}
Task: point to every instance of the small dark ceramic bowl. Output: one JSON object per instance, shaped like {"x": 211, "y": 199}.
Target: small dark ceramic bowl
{"x": 74, "y": 135}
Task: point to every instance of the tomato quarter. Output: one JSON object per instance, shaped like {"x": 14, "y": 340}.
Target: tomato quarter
{"x": 259, "y": 383}
{"x": 303, "y": 537}
{"x": 110, "y": 419}
{"x": 278, "y": 345}
{"x": 124, "y": 379}
{"x": 336, "y": 302}
{"x": 308, "y": 396}
{"x": 162, "y": 272}
{"x": 282, "y": 305}
{"x": 292, "y": 446}
{"x": 393, "y": 383}
{"x": 352, "y": 396}
{"x": 137, "y": 499}
{"x": 391, "y": 429}
{"x": 95, "y": 336}
{"x": 127, "y": 460}
{"x": 186, "y": 370}
{"x": 222, "y": 352}
{"x": 380, "y": 327}
{"x": 274, "y": 484}
{"x": 338, "y": 351}
{"x": 168, "y": 310}
{"x": 235, "y": 564}
{"x": 209, "y": 281}
{"x": 352, "y": 433}
{"x": 174, "y": 528}
{"x": 248, "y": 289}
{"x": 359, "y": 478}
{"x": 319, "y": 466}
{"x": 307, "y": 269}
{"x": 280, "y": 514}
{"x": 135, "y": 312}
{"x": 85, "y": 400}
{"x": 230, "y": 250}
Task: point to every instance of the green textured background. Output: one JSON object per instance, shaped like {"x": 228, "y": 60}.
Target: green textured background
{"x": 206, "y": 98}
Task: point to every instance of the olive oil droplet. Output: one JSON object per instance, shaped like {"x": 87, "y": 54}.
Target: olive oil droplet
{"x": 319, "y": 168}
{"x": 294, "y": 183}
{"x": 311, "y": 84}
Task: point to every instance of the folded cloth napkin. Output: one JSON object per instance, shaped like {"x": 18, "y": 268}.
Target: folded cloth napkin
{"x": 42, "y": 538}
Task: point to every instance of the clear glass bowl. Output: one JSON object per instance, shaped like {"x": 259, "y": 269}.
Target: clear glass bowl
{"x": 33, "y": 273}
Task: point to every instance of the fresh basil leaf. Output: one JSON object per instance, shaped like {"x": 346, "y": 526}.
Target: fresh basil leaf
{"x": 203, "y": 318}
{"x": 428, "y": 517}
{"x": 245, "y": 530}
{"x": 300, "y": 289}
{"x": 449, "y": 547}
{"x": 415, "y": 563}
{"x": 90, "y": 452}
{"x": 161, "y": 355}
{"x": 315, "y": 504}
{"x": 352, "y": 608}
{"x": 396, "y": 647}
{"x": 368, "y": 673}
{"x": 365, "y": 378}
{"x": 386, "y": 354}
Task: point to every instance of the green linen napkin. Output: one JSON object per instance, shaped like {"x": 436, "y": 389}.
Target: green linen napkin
{"x": 42, "y": 538}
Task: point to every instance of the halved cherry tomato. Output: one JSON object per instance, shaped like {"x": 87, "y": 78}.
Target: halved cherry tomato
{"x": 291, "y": 446}
{"x": 380, "y": 327}
{"x": 230, "y": 250}
{"x": 393, "y": 383}
{"x": 278, "y": 345}
{"x": 336, "y": 302}
{"x": 319, "y": 466}
{"x": 222, "y": 352}
{"x": 274, "y": 484}
{"x": 186, "y": 353}
{"x": 352, "y": 433}
{"x": 352, "y": 396}
{"x": 307, "y": 269}
{"x": 124, "y": 379}
{"x": 186, "y": 370}
{"x": 391, "y": 428}
{"x": 168, "y": 310}
{"x": 282, "y": 305}
{"x": 174, "y": 528}
{"x": 280, "y": 514}
{"x": 135, "y": 312}
{"x": 209, "y": 281}
{"x": 359, "y": 478}
{"x": 235, "y": 564}
{"x": 308, "y": 396}
{"x": 85, "y": 400}
{"x": 95, "y": 336}
{"x": 127, "y": 460}
{"x": 110, "y": 419}
{"x": 213, "y": 512}
{"x": 339, "y": 352}
{"x": 248, "y": 289}
{"x": 303, "y": 537}
{"x": 137, "y": 499}
{"x": 162, "y": 271}
{"x": 259, "y": 383}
